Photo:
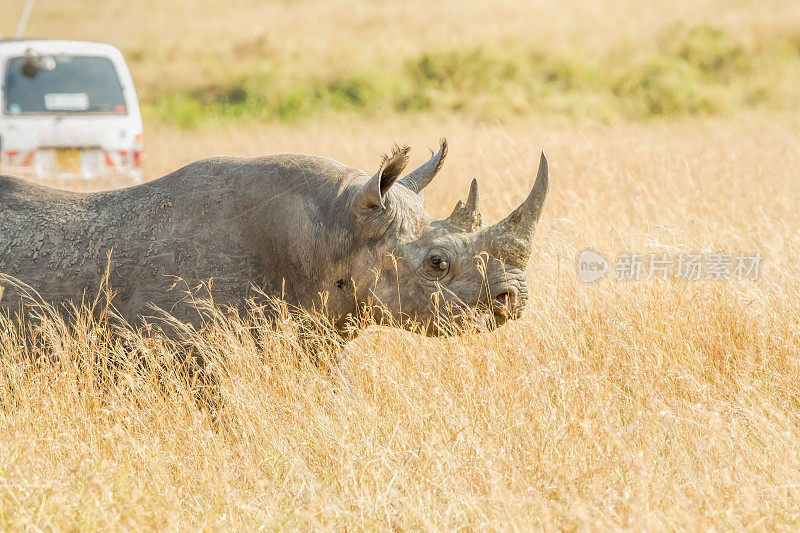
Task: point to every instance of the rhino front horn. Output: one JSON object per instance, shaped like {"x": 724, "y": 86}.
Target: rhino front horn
{"x": 519, "y": 226}
{"x": 421, "y": 177}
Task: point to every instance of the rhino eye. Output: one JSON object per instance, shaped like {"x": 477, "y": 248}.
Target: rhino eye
{"x": 437, "y": 266}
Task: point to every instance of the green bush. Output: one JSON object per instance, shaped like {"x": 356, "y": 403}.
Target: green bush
{"x": 684, "y": 71}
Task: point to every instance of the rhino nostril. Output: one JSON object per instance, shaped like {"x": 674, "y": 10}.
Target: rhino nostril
{"x": 503, "y": 303}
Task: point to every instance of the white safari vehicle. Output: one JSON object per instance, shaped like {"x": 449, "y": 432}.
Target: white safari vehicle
{"x": 69, "y": 110}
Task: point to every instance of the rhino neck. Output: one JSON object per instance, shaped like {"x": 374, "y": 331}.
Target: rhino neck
{"x": 297, "y": 226}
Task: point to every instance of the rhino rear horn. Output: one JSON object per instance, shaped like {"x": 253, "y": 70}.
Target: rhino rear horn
{"x": 372, "y": 193}
{"x": 421, "y": 177}
{"x": 467, "y": 217}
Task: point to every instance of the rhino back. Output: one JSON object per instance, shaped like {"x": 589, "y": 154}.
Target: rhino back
{"x": 149, "y": 236}
{"x": 274, "y": 222}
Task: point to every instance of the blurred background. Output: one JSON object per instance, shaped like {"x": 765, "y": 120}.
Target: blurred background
{"x": 208, "y": 63}
{"x": 197, "y": 62}
{"x": 618, "y": 89}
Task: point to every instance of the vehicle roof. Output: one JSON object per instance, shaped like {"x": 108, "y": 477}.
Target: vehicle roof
{"x": 54, "y": 46}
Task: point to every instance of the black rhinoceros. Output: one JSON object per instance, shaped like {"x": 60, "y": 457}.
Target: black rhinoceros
{"x": 298, "y": 227}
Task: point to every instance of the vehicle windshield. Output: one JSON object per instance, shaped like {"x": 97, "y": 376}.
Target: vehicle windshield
{"x": 65, "y": 84}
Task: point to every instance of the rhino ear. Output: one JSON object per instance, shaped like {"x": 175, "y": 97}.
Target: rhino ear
{"x": 371, "y": 195}
{"x": 421, "y": 177}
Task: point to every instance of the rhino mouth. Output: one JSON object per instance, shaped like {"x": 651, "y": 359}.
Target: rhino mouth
{"x": 504, "y": 305}
{"x": 508, "y": 302}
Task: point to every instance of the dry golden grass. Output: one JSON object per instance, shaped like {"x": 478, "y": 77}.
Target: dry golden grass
{"x": 642, "y": 405}
{"x": 646, "y": 405}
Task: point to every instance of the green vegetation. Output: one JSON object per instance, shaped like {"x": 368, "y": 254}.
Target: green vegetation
{"x": 685, "y": 71}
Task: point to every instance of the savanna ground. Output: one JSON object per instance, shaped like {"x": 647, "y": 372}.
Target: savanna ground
{"x": 671, "y": 126}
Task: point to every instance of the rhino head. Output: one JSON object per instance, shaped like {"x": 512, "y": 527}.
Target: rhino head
{"x": 437, "y": 274}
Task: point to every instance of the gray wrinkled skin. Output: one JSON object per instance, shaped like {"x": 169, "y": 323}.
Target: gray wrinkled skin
{"x": 298, "y": 227}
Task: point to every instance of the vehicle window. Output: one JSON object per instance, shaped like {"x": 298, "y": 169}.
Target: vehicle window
{"x": 72, "y": 84}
